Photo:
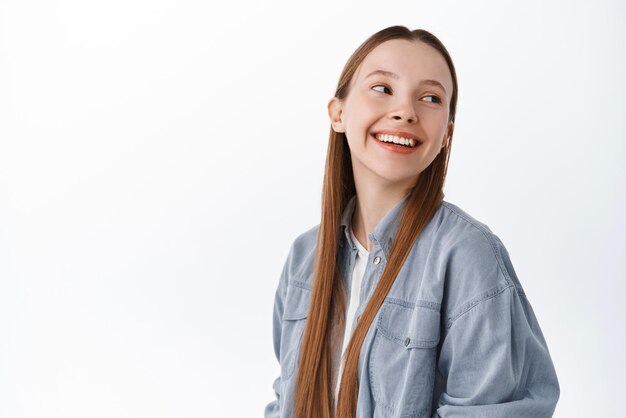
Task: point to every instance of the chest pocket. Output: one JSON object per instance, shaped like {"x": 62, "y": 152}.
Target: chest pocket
{"x": 403, "y": 359}
{"x": 295, "y": 312}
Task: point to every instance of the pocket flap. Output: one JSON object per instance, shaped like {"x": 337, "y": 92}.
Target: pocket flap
{"x": 296, "y": 302}
{"x": 411, "y": 326}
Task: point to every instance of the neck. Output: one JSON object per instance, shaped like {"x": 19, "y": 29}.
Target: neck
{"x": 374, "y": 200}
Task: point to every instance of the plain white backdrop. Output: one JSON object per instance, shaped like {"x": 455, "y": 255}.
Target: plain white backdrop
{"x": 157, "y": 158}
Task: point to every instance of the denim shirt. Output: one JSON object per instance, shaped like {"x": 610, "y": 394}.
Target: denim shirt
{"x": 455, "y": 337}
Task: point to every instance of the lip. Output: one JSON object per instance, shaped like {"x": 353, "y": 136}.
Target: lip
{"x": 396, "y": 132}
{"x": 397, "y": 149}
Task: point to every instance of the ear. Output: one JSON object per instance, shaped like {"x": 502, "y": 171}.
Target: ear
{"x": 449, "y": 131}
{"x": 335, "y": 110}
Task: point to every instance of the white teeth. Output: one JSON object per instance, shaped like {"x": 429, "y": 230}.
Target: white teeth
{"x": 395, "y": 139}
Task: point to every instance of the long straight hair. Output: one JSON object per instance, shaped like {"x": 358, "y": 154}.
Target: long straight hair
{"x": 314, "y": 394}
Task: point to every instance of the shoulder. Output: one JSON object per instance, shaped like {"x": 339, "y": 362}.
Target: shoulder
{"x": 471, "y": 242}
{"x": 306, "y": 241}
{"x": 467, "y": 236}
{"x": 473, "y": 259}
{"x": 301, "y": 258}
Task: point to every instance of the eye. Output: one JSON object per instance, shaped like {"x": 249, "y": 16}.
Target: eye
{"x": 382, "y": 85}
{"x": 436, "y": 99}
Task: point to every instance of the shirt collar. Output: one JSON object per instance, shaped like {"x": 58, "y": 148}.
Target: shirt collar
{"x": 384, "y": 233}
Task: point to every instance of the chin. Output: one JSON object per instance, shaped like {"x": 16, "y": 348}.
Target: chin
{"x": 407, "y": 180}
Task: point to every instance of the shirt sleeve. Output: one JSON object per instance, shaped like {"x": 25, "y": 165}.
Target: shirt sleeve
{"x": 494, "y": 361}
{"x": 272, "y": 410}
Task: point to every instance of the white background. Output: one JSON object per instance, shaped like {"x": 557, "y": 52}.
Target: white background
{"x": 157, "y": 158}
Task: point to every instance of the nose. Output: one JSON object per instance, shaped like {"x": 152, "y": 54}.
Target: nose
{"x": 405, "y": 111}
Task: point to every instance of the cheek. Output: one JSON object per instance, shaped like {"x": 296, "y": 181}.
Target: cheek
{"x": 436, "y": 131}
{"x": 365, "y": 108}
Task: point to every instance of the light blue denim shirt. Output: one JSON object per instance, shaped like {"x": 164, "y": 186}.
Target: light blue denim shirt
{"x": 455, "y": 337}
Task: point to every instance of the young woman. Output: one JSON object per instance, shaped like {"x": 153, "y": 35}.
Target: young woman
{"x": 399, "y": 303}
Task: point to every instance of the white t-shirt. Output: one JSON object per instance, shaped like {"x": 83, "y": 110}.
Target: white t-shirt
{"x": 353, "y": 304}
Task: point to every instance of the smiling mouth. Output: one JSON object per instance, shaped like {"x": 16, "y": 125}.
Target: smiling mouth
{"x": 397, "y": 140}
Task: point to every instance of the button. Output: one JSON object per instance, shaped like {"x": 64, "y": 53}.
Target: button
{"x": 407, "y": 342}
{"x": 376, "y": 260}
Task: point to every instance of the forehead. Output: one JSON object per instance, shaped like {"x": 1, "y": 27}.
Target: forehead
{"x": 411, "y": 60}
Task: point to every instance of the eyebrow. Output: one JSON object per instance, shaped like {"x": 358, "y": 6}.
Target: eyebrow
{"x": 396, "y": 76}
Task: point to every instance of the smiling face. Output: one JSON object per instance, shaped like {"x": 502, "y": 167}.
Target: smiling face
{"x": 402, "y": 88}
